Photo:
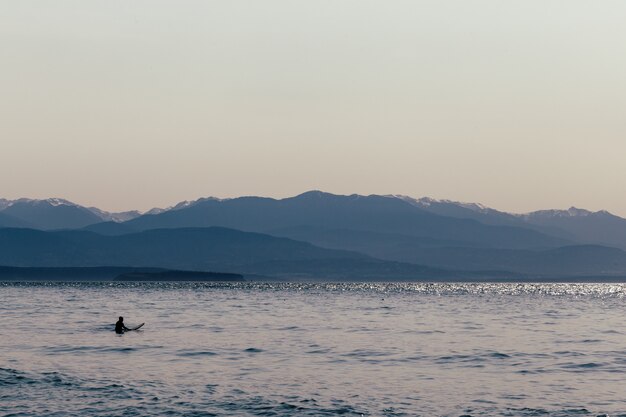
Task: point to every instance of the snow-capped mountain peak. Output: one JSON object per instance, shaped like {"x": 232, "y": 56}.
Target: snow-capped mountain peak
{"x": 182, "y": 205}
{"x": 59, "y": 202}
{"x": 576, "y": 212}
{"x": 114, "y": 217}
{"x": 4, "y": 203}
{"x": 55, "y": 202}
{"x": 426, "y": 202}
{"x": 555, "y": 213}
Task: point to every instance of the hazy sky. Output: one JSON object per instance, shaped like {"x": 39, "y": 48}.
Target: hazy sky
{"x": 133, "y": 104}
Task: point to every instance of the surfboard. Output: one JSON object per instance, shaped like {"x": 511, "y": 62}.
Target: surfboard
{"x": 138, "y": 327}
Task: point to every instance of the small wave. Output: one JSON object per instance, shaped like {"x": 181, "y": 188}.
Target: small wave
{"x": 472, "y": 358}
{"x": 366, "y": 353}
{"x": 318, "y": 351}
{"x": 288, "y": 328}
{"x": 568, "y": 353}
{"x": 196, "y": 353}
{"x": 12, "y": 377}
{"x": 260, "y": 406}
{"x": 423, "y": 332}
{"x": 588, "y": 365}
{"x": 100, "y": 349}
{"x": 499, "y": 355}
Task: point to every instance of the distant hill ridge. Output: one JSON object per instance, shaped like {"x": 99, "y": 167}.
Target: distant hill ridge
{"x": 468, "y": 224}
{"x": 322, "y": 210}
{"x": 205, "y": 249}
{"x": 256, "y": 254}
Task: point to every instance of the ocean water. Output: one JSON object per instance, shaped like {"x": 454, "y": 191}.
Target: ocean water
{"x": 313, "y": 349}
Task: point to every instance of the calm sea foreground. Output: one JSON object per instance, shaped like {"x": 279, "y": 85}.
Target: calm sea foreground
{"x": 313, "y": 349}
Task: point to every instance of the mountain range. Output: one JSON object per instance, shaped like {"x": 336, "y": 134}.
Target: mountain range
{"x": 318, "y": 235}
{"x": 55, "y": 213}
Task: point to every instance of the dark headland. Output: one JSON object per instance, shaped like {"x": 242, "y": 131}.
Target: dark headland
{"x": 180, "y": 276}
{"x": 110, "y": 273}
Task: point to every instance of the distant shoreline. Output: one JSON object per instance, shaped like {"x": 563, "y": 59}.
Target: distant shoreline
{"x": 111, "y": 273}
{"x": 130, "y": 274}
{"x": 177, "y": 276}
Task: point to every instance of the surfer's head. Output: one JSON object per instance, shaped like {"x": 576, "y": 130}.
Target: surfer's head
{"x": 121, "y": 318}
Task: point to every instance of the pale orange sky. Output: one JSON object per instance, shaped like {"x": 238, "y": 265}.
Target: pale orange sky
{"x": 518, "y": 105}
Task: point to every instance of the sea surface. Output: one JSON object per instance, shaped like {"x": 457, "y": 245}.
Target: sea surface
{"x": 253, "y": 349}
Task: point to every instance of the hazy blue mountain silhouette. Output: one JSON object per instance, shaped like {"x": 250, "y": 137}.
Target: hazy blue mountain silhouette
{"x": 202, "y": 249}
{"x": 564, "y": 261}
{"x": 568, "y": 260}
{"x": 166, "y": 248}
{"x": 464, "y": 224}
{"x": 377, "y": 244}
{"x": 599, "y": 227}
{"x": 360, "y": 213}
{"x": 228, "y": 250}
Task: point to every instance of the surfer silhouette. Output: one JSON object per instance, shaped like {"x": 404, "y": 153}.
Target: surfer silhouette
{"x": 119, "y": 326}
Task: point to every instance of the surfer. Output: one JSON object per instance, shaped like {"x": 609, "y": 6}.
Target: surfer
{"x": 119, "y": 326}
